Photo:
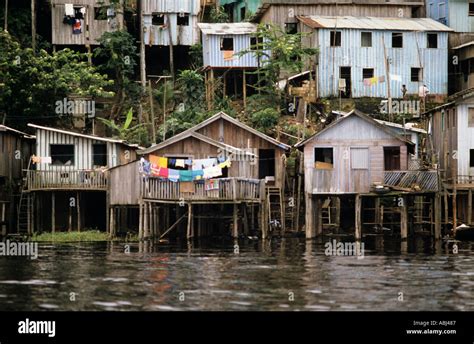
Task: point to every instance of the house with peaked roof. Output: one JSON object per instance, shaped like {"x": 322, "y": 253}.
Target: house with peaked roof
{"x": 67, "y": 180}
{"x": 354, "y": 157}
{"x": 257, "y": 166}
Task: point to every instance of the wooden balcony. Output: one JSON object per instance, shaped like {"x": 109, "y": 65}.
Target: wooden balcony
{"x": 412, "y": 181}
{"x": 226, "y": 190}
{"x": 66, "y": 180}
{"x": 460, "y": 181}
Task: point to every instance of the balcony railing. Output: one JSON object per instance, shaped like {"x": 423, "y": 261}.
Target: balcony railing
{"x": 67, "y": 180}
{"x": 222, "y": 189}
{"x": 461, "y": 181}
{"x": 419, "y": 181}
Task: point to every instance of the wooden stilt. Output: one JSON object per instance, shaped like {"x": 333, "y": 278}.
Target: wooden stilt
{"x": 404, "y": 219}
{"x": 319, "y": 216}
{"x": 235, "y": 222}
{"x": 455, "y": 210}
{"x": 112, "y": 222}
{"x": 469, "y": 207}
{"x": 53, "y": 212}
{"x": 190, "y": 221}
{"x": 338, "y": 213}
{"x": 377, "y": 211}
{"x": 140, "y": 220}
{"x": 78, "y": 212}
{"x": 263, "y": 219}
{"x": 358, "y": 218}
{"x": 3, "y": 219}
{"x": 244, "y": 89}
{"x": 245, "y": 219}
{"x": 437, "y": 216}
{"x": 310, "y": 217}
{"x": 446, "y": 208}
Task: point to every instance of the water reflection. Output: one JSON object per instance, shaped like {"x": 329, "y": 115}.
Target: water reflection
{"x": 279, "y": 274}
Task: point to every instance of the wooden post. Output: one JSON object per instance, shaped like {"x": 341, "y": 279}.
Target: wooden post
{"x": 5, "y": 24}
{"x": 3, "y": 218}
{"x": 33, "y": 26}
{"x": 53, "y": 212}
{"x": 455, "y": 208}
{"x": 69, "y": 228}
{"x": 404, "y": 219}
{"x": 112, "y": 220}
{"x": 446, "y": 208}
{"x": 244, "y": 90}
{"x": 437, "y": 216}
{"x": 152, "y": 111}
{"x": 319, "y": 217}
{"x": 377, "y": 211}
{"x": 309, "y": 217}
{"x": 190, "y": 221}
{"x": 245, "y": 219}
{"x": 263, "y": 219}
{"x": 338, "y": 212}
{"x": 78, "y": 211}
{"x": 358, "y": 219}
{"x": 170, "y": 37}
{"x": 469, "y": 207}
{"x": 140, "y": 220}
{"x": 235, "y": 222}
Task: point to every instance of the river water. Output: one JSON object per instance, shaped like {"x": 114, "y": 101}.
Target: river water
{"x": 279, "y": 275}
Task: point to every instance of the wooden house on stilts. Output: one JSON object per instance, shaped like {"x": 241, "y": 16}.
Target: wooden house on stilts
{"x": 15, "y": 150}
{"x": 68, "y": 179}
{"x": 360, "y": 168}
{"x": 238, "y": 194}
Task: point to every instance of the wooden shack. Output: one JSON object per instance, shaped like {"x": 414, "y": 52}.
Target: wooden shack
{"x": 355, "y": 162}
{"x": 451, "y": 128}
{"x": 83, "y": 22}
{"x": 67, "y": 182}
{"x": 227, "y": 56}
{"x": 15, "y": 150}
{"x": 243, "y": 189}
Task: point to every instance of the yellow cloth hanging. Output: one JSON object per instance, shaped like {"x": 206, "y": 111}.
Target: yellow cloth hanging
{"x": 225, "y": 164}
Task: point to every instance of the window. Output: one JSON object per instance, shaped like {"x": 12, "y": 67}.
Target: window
{"x": 471, "y": 8}
{"x": 415, "y": 74}
{"x": 242, "y": 13}
{"x": 62, "y": 155}
{"x": 442, "y": 13}
{"x": 183, "y": 19}
{"x": 158, "y": 19}
{"x": 335, "y": 39}
{"x": 397, "y": 40}
{"x": 471, "y": 157}
{"x": 359, "y": 158}
{"x": 255, "y": 43}
{"x": 470, "y": 118}
{"x": 454, "y": 118}
{"x": 391, "y": 158}
{"x": 366, "y": 39}
{"x": 99, "y": 154}
{"x": 227, "y": 43}
{"x": 367, "y": 73}
{"x": 323, "y": 158}
{"x": 432, "y": 40}
{"x": 291, "y": 28}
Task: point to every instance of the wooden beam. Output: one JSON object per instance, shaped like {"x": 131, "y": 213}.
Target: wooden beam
{"x": 245, "y": 219}
{"x": 404, "y": 219}
{"x": 309, "y": 217}
{"x": 235, "y": 222}
{"x": 469, "y": 207}
{"x": 319, "y": 216}
{"x": 437, "y": 216}
{"x": 78, "y": 211}
{"x": 358, "y": 219}
{"x": 173, "y": 226}
{"x": 189, "y": 234}
{"x": 53, "y": 212}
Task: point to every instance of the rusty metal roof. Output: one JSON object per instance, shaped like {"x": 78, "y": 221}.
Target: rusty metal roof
{"x": 228, "y": 28}
{"x": 373, "y": 23}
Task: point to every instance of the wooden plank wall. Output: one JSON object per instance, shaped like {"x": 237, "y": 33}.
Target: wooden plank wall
{"x": 124, "y": 184}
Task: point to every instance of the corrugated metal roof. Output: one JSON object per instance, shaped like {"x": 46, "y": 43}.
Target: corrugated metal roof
{"x": 228, "y": 28}
{"x": 468, "y": 44}
{"x": 92, "y": 137}
{"x": 373, "y": 23}
{"x": 5, "y": 128}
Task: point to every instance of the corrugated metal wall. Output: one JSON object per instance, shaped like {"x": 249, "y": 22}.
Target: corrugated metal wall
{"x": 82, "y": 150}
{"x": 465, "y": 136}
{"x": 171, "y": 6}
{"x": 351, "y": 54}
{"x": 181, "y": 35}
{"x": 214, "y": 57}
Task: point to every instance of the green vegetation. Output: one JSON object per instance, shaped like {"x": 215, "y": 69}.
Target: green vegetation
{"x": 84, "y": 236}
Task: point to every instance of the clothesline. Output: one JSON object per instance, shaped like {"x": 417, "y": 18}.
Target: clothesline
{"x": 158, "y": 166}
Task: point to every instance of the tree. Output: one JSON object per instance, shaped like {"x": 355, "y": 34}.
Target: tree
{"x": 135, "y": 134}
{"x": 31, "y": 85}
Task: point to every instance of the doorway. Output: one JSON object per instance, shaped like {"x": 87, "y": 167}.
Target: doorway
{"x": 345, "y": 73}
{"x": 391, "y": 158}
{"x": 266, "y": 163}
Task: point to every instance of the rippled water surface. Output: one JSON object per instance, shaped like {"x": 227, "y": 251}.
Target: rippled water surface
{"x": 284, "y": 274}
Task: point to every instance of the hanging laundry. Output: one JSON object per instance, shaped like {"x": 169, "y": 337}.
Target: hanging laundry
{"x": 225, "y": 164}
{"x": 46, "y": 160}
{"x": 158, "y": 161}
{"x": 373, "y": 80}
{"x": 172, "y": 162}
{"x": 187, "y": 187}
{"x": 35, "y": 159}
{"x": 179, "y": 163}
{"x": 188, "y": 162}
{"x": 382, "y": 78}
{"x": 186, "y": 176}
{"x": 69, "y": 9}
{"x": 173, "y": 175}
{"x": 78, "y": 14}
{"x": 366, "y": 82}
{"x": 197, "y": 174}
{"x": 77, "y": 27}
{"x": 212, "y": 172}
{"x": 110, "y": 12}
{"x": 200, "y": 164}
